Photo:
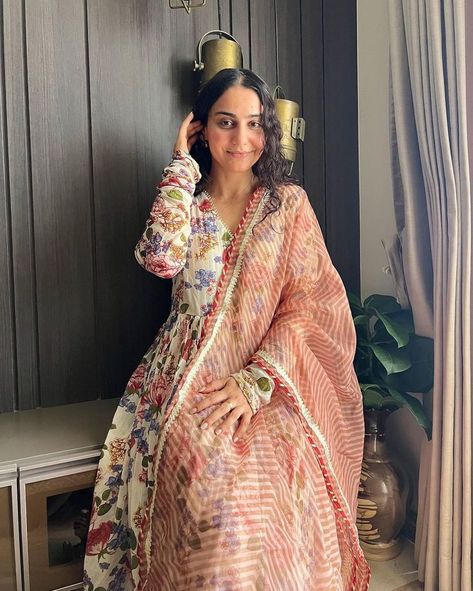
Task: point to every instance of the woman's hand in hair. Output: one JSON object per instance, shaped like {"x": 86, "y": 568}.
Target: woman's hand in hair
{"x": 231, "y": 406}
{"x": 188, "y": 134}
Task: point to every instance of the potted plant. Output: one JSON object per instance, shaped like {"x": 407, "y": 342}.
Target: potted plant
{"x": 391, "y": 361}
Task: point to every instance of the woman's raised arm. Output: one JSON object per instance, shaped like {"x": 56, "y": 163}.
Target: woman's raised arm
{"x": 162, "y": 249}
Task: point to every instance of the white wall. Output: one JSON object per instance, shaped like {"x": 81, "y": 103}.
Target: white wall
{"x": 376, "y": 196}
{"x": 376, "y": 200}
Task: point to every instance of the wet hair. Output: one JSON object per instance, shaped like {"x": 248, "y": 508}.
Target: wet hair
{"x": 272, "y": 168}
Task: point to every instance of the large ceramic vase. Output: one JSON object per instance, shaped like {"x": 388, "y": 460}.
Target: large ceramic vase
{"x": 382, "y": 497}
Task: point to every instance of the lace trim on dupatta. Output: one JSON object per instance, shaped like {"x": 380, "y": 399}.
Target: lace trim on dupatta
{"x": 360, "y": 575}
{"x": 183, "y": 391}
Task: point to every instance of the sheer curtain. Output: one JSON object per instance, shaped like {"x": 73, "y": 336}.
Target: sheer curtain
{"x": 434, "y": 219}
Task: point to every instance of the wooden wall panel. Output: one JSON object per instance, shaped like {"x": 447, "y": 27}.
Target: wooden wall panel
{"x": 263, "y": 40}
{"x": 341, "y": 139}
{"x": 240, "y": 29}
{"x": 92, "y": 96}
{"x": 23, "y": 258}
{"x": 224, "y": 16}
{"x": 7, "y": 330}
{"x": 313, "y": 151}
{"x": 142, "y": 85}
{"x": 60, "y": 168}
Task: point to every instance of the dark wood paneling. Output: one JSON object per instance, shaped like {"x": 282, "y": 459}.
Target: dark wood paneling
{"x": 7, "y": 334}
{"x": 23, "y": 260}
{"x": 91, "y": 121}
{"x": 289, "y": 63}
{"x": 263, "y": 40}
{"x": 313, "y": 150}
{"x": 134, "y": 125}
{"x": 341, "y": 139}
{"x": 60, "y": 162}
{"x": 241, "y": 28}
{"x": 225, "y": 17}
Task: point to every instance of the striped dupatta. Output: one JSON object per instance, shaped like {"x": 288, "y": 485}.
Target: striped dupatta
{"x": 280, "y": 303}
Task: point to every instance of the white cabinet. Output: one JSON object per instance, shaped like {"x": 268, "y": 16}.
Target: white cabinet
{"x": 48, "y": 463}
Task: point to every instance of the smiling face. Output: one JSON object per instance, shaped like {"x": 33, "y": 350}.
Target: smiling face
{"x": 234, "y": 131}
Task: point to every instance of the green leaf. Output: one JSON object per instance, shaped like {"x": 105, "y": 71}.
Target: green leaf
{"x": 118, "y": 513}
{"x": 394, "y": 360}
{"x": 175, "y": 194}
{"x": 204, "y": 525}
{"x": 132, "y": 539}
{"x": 183, "y": 308}
{"x": 415, "y": 407}
{"x": 399, "y": 325}
{"x": 194, "y": 542}
{"x": 381, "y": 303}
{"x": 134, "y": 562}
{"x": 103, "y": 509}
{"x": 420, "y": 376}
{"x": 355, "y": 304}
{"x": 106, "y": 494}
{"x": 361, "y": 320}
{"x": 263, "y": 384}
{"x": 372, "y": 399}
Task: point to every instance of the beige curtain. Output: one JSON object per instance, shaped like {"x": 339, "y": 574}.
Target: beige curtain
{"x": 434, "y": 218}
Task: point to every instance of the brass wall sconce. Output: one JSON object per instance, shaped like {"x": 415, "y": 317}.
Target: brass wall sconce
{"x": 293, "y": 126}
{"x": 187, "y": 4}
{"x": 217, "y": 54}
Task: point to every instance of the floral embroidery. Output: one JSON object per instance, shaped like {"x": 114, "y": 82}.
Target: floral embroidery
{"x": 204, "y": 278}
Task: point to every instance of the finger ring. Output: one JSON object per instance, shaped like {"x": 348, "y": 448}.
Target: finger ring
{"x": 230, "y": 405}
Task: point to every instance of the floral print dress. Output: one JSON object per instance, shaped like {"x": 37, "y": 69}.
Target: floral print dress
{"x": 185, "y": 239}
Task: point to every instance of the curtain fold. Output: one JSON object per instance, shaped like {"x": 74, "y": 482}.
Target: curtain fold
{"x": 434, "y": 218}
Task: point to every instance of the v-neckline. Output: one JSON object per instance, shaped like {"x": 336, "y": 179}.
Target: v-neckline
{"x": 217, "y": 215}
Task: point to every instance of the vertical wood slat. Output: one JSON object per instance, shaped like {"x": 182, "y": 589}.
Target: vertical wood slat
{"x": 23, "y": 261}
{"x": 341, "y": 138}
{"x": 58, "y": 101}
{"x": 142, "y": 86}
{"x": 7, "y": 321}
{"x": 263, "y": 40}
{"x": 224, "y": 22}
{"x": 313, "y": 153}
{"x": 241, "y": 28}
{"x": 289, "y": 63}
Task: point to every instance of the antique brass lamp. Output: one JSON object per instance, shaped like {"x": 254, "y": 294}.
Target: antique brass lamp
{"x": 293, "y": 126}
{"x": 214, "y": 55}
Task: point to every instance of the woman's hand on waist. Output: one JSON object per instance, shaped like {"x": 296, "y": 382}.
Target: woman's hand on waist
{"x": 231, "y": 405}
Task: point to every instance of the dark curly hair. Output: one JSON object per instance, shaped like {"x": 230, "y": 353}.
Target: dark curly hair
{"x": 272, "y": 168}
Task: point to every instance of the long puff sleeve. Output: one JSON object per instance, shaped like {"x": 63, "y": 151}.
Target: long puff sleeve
{"x": 162, "y": 249}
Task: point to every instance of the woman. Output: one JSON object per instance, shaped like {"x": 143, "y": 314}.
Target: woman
{"x": 234, "y": 456}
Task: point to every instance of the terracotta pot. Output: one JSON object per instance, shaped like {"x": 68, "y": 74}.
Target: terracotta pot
{"x": 382, "y": 497}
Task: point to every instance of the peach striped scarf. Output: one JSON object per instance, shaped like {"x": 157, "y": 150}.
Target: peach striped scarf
{"x": 280, "y": 303}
